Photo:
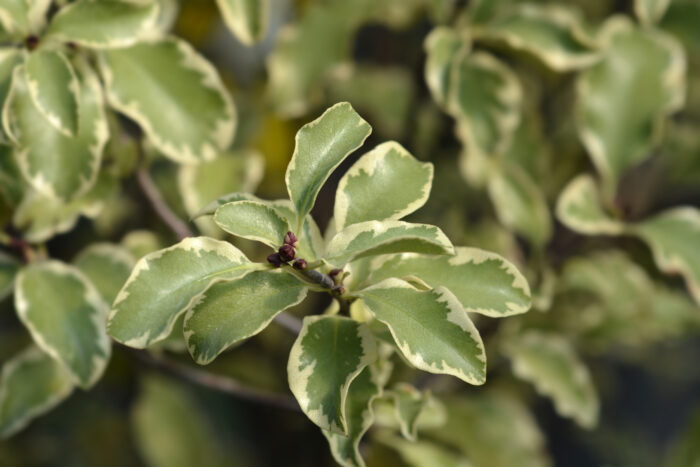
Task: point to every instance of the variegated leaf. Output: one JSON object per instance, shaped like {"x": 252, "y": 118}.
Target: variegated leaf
{"x": 552, "y": 33}
{"x": 424, "y": 453}
{"x": 327, "y": 356}
{"x": 66, "y": 317}
{"x": 252, "y": 220}
{"x": 104, "y": 24}
{"x": 320, "y": 147}
{"x": 483, "y": 282}
{"x": 580, "y": 208}
{"x": 174, "y": 94}
{"x": 485, "y": 98}
{"x": 550, "y": 363}
{"x": 9, "y": 58}
{"x": 54, "y": 89}
{"x": 141, "y": 242}
{"x": 231, "y": 311}
{"x": 359, "y": 415}
{"x": 166, "y": 283}
{"x": 247, "y": 19}
{"x": 107, "y": 266}
{"x": 388, "y": 173}
{"x": 408, "y": 406}
{"x": 373, "y": 238}
{"x": 210, "y": 208}
{"x": 520, "y": 203}
{"x": 57, "y": 165}
{"x": 32, "y": 384}
{"x": 21, "y": 18}
{"x": 441, "y": 47}
{"x": 9, "y": 267}
{"x": 431, "y": 329}
{"x": 650, "y": 11}
{"x": 674, "y": 236}
{"x": 625, "y": 98}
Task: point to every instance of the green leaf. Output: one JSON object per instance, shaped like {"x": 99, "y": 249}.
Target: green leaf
{"x": 625, "y": 98}
{"x": 520, "y": 204}
{"x": 231, "y": 311}
{"x": 320, "y": 147}
{"x": 66, "y": 318}
{"x": 364, "y": 389}
{"x": 210, "y": 208}
{"x": 388, "y": 173}
{"x": 580, "y": 208}
{"x": 32, "y": 384}
{"x": 431, "y": 329}
{"x": 141, "y": 242}
{"x": 55, "y": 164}
{"x": 40, "y": 217}
{"x": 9, "y": 58}
{"x": 171, "y": 430}
{"x": 482, "y": 281}
{"x": 104, "y": 24}
{"x": 311, "y": 243}
{"x": 252, "y": 220}
{"x": 21, "y": 18}
{"x": 552, "y": 33}
{"x": 485, "y": 98}
{"x": 9, "y": 267}
{"x": 373, "y": 238}
{"x": 174, "y": 94}
{"x": 328, "y": 354}
{"x": 423, "y": 453}
{"x": 650, "y": 11}
{"x": 201, "y": 183}
{"x": 166, "y": 283}
{"x": 674, "y": 236}
{"x": 441, "y": 47}
{"x": 54, "y": 89}
{"x": 107, "y": 266}
{"x": 247, "y": 19}
{"x": 549, "y": 362}
{"x": 408, "y": 406}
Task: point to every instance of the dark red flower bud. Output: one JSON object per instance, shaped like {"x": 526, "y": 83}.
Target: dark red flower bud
{"x": 275, "y": 260}
{"x": 335, "y": 272}
{"x": 340, "y": 289}
{"x": 290, "y": 239}
{"x": 287, "y": 252}
{"x": 31, "y": 42}
{"x": 300, "y": 264}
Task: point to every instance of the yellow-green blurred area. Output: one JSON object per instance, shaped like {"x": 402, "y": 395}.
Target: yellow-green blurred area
{"x": 602, "y": 303}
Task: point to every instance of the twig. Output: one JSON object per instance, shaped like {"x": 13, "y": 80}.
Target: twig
{"x": 160, "y": 206}
{"x": 289, "y": 322}
{"x": 217, "y": 383}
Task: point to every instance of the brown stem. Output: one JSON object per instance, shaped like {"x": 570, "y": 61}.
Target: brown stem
{"x": 215, "y": 382}
{"x": 160, "y": 206}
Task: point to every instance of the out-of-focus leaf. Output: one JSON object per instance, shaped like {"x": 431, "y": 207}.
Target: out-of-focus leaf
{"x": 107, "y": 266}
{"x": 231, "y": 311}
{"x": 650, "y": 11}
{"x": 166, "y": 283}
{"x": 431, "y": 329}
{"x": 247, "y": 19}
{"x": 625, "y": 98}
{"x": 580, "y": 208}
{"x": 65, "y": 315}
{"x": 329, "y": 353}
{"x": 674, "y": 236}
{"x": 141, "y": 242}
{"x": 388, "y": 173}
{"x": 441, "y": 46}
{"x": 9, "y": 267}
{"x": 174, "y": 94}
{"x": 550, "y": 363}
{"x": 20, "y": 18}
{"x": 424, "y": 453}
{"x": 32, "y": 384}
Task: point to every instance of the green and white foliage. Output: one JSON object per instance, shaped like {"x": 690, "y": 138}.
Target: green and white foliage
{"x": 483, "y": 282}
{"x": 580, "y": 208}
{"x": 553, "y": 33}
{"x": 320, "y": 147}
{"x": 65, "y": 315}
{"x": 408, "y": 406}
{"x": 32, "y": 384}
{"x": 174, "y": 94}
{"x": 329, "y": 353}
{"x": 20, "y": 18}
{"x": 247, "y": 19}
{"x": 107, "y": 266}
{"x": 673, "y": 237}
{"x": 231, "y": 311}
{"x": 650, "y": 11}
{"x": 252, "y": 220}
{"x": 8, "y": 270}
{"x": 105, "y": 24}
{"x": 57, "y": 165}
{"x": 388, "y": 173}
{"x": 166, "y": 283}
{"x": 550, "y": 363}
{"x": 625, "y": 98}
{"x": 431, "y": 328}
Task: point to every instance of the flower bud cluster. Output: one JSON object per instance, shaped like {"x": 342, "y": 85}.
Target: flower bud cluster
{"x": 286, "y": 253}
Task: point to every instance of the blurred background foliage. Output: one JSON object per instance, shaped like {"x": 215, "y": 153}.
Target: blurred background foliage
{"x": 611, "y": 346}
